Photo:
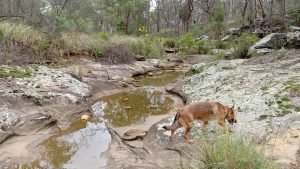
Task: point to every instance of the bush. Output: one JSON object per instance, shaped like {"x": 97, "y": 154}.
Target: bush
{"x": 187, "y": 44}
{"x": 203, "y": 47}
{"x": 23, "y": 33}
{"x": 222, "y": 45}
{"x": 1, "y": 35}
{"x": 219, "y": 56}
{"x": 242, "y": 45}
{"x": 295, "y": 16}
{"x": 116, "y": 54}
{"x": 82, "y": 42}
{"x": 148, "y": 47}
{"x": 228, "y": 152}
{"x": 170, "y": 43}
{"x": 217, "y": 23}
{"x": 104, "y": 36}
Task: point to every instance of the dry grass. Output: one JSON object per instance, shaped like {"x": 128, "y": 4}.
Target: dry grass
{"x": 24, "y": 42}
{"x": 82, "y": 42}
{"x": 23, "y": 33}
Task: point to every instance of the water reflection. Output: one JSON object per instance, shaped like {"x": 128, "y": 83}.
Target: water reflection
{"x": 128, "y": 108}
{"x": 79, "y": 149}
{"x": 158, "y": 79}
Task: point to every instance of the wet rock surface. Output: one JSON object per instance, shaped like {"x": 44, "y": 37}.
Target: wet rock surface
{"x": 134, "y": 134}
{"x": 49, "y": 100}
{"x": 31, "y": 124}
{"x": 265, "y": 92}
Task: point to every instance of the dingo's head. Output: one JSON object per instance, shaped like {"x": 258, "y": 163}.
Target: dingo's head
{"x": 231, "y": 115}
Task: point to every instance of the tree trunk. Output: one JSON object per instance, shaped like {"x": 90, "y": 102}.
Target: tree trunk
{"x": 282, "y": 11}
{"x": 271, "y": 9}
{"x": 158, "y": 15}
{"x": 187, "y": 19}
{"x": 244, "y": 11}
{"x": 127, "y": 21}
{"x": 262, "y": 9}
{"x": 230, "y": 8}
{"x": 251, "y": 12}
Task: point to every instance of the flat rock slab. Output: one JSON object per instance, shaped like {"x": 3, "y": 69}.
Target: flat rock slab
{"x": 4, "y": 135}
{"x": 134, "y": 134}
{"x": 32, "y": 123}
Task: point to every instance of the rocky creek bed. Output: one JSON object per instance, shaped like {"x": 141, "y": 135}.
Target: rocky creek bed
{"x": 50, "y": 101}
{"x": 40, "y": 113}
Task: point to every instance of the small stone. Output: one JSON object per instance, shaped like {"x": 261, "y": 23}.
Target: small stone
{"x": 134, "y": 134}
{"x": 154, "y": 106}
{"x": 125, "y": 99}
{"x": 295, "y": 135}
{"x": 85, "y": 117}
{"x": 127, "y": 107}
{"x": 151, "y": 74}
{"x": 140, "y": 57}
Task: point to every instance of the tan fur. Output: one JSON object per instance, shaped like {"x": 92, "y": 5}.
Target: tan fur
{"x": 204, "y": 111}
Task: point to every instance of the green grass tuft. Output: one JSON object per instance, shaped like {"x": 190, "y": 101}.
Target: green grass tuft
{"x": 228, "y": 152}
{"x": 15, "y": 72}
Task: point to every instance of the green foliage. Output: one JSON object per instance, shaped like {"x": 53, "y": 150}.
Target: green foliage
{"x": 104, "y": 36}
{"x": 228, "y": 152}
{"x": 15, "y": 72}
{"x": 148, "y": 47}
{"x": 196, "y": 30}
{"x": 242, "y": 45}
{"x": 187, "y": 44}
{"x": 98, "y": 50}
{"x": 1, "y": 34}
{"x": 121, "y": 27}
{"x": 295, "y": 16}
{"x": 217, "y": 22}
{"x": 218, "y": 56}
{"x": 64, "y": 23}
{"x": 203, "y": 47}
{"x": 170, "y": 43}
{"x": 222, "y": 45}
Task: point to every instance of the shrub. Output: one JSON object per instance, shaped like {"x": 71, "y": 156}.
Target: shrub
{"x": 83, "y": 42}
{"x": 218, "y": 56}
{"x": 104, "y": 36}
{"x": 295, "y": 16}
{"x": 170, "y": 43}
{"x": 217, "y": 22}
{"x": 116, "y": 54}
{"x": 228, "y": 152}
{"x": 242, "y": 45}
{"x": 148, "y": 47}
{"x": 187, "y": 44}
{"x": 23, "y": 33}
{"x": 1, "y": 35}
{"x": 222, "y": 45}
{"x": 203, "y": 47}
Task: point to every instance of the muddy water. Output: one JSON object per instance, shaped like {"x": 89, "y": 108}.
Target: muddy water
{"x": 84, "y": 143}
{"x": 126, "y": 108}
{"x": 77, "y": 149}
{"x": 158, "y": 78}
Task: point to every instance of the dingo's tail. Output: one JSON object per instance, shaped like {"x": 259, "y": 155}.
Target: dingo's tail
{"x": 175, "y": 122}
